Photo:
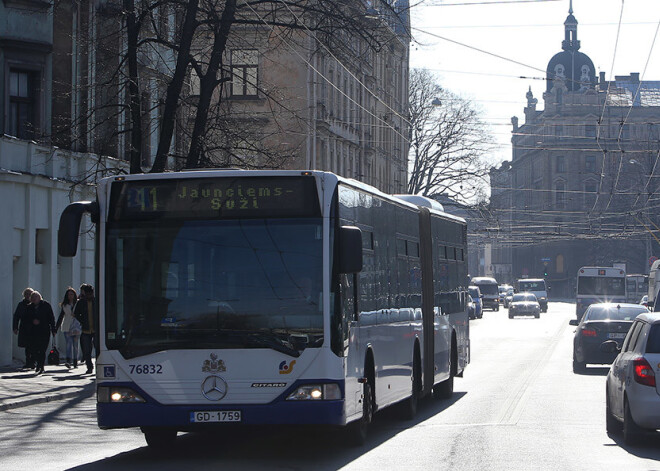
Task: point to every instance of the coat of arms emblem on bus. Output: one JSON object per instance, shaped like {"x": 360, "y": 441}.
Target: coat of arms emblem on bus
{"x": 213, "y": 365}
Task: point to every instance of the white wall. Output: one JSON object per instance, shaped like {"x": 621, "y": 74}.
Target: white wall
{"x": 36, "y": 184}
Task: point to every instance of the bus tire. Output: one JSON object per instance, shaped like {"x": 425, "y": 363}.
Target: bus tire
{"x": 445, "y": 389}
{"x": 410, "y": 405}
{"x": 357, "y": 431}
{"x": 159, "y": 438}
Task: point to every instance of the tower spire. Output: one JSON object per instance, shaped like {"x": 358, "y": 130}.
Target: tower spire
{"x": 570, "y": 7}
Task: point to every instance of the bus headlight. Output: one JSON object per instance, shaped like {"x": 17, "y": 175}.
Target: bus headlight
{"x": 108, "y": 394}
{"x": 316, "y": 392}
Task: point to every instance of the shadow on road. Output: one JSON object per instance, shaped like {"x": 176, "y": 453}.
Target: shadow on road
{"x": 648, "y": 446}
{"x": 269, "y": 447}
{"x": 595, "y": 371}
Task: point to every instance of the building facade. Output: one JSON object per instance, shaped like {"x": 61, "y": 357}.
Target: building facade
{"x": 581, "y": 185}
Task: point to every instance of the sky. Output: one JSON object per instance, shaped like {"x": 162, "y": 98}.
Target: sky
{"x": 618, "y": 36}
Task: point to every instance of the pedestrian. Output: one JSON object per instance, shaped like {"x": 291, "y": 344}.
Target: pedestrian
{"x": 42, "y": 326}
{"x": 70, "y": 327}
{"x": 86, "y": 311}
{"x": 21, "y": 327}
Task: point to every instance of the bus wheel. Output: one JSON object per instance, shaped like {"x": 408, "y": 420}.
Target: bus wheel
{"x": 159, "y": 438}
{"x": 357, "y": 431}
{"x": 409, "y": 406}
{"x": 445, "y": 389}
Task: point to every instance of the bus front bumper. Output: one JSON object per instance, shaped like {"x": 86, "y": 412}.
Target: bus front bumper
{"x": 279, "y": 412}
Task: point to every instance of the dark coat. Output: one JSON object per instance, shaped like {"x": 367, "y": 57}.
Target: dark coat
{"x": 20, "y": 323}
{"x": 41, "y": 322}
{"x": 80, "y": 313}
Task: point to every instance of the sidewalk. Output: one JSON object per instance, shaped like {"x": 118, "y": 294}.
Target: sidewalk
{"x": 21, "y": 388}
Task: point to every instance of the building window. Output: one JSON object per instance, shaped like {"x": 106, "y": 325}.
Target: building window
{"x": 590, "y": 130}
{"x": 590, "y": 190}
{"x": 22, "y": 104}
{"x": 590, "y": 163}
{"x": 558, "y": 130}
{"x": 560, "y": 196}
{"x": 244, "y": 66}
{"x": 41, "y": 246}
{"x": 560, "y": 164}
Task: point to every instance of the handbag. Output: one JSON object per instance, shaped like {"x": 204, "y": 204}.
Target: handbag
{"x": 75, "y": 328}
{"x": 54, "y": 355}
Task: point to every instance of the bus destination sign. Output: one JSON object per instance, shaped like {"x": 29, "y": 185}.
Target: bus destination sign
{"x": 196, "y": 198}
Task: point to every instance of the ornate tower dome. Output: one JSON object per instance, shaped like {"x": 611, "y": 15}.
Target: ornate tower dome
{"x": 570, "y": 69}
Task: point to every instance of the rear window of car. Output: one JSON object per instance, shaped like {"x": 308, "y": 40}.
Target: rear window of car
{"x": 653, "y": 342}
{"x": 614, "y": 314}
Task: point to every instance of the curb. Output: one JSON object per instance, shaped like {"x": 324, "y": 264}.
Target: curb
{"x": 7, "y": 405}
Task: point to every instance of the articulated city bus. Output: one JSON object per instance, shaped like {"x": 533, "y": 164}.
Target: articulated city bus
{"x": 269, "y": 297}
{"x": 599, "y": 285}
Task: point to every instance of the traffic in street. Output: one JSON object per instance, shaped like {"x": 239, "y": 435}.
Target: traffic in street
{"x": 519, "y": 406}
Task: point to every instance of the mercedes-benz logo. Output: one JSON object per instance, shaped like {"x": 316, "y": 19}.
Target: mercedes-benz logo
{"x": 214, "y": 388}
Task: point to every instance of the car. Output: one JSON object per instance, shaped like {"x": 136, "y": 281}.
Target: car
{"x": 508, "y": 297}
{"x": 470, "y": 307}
{"x": 601, "y": 322}
{"x": 476, "y": 297}
{"x": 537, "y": 287}
{"x": 524, "y": 304}
{"x": 503, "y": 289}
{"x": 644, "y": 301}
{"x": 632, "y": 392}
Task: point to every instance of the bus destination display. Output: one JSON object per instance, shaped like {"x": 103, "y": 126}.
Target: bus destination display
{"x": 215, "y": 197}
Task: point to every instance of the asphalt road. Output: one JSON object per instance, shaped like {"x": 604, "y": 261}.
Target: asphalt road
{"x": 519, "y": 407}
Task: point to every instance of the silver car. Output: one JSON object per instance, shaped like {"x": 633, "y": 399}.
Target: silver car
{"x": 632, "y": 396}
{"x": 524, "y": 304}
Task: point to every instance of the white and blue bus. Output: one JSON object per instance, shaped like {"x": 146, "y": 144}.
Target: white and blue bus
{"x": 599, "y": 285}
{"x": 269, "y": 297}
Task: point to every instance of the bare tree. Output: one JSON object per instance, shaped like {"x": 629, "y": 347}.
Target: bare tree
{"x": 172, "y": 42}
{"x": 448, "y": 142}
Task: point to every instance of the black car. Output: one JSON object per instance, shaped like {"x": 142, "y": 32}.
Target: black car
{"x": 601, "y": 322}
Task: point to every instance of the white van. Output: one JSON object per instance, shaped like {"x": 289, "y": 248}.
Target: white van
{"x": 537, "y": 287}
{"x": 489, "y": 291}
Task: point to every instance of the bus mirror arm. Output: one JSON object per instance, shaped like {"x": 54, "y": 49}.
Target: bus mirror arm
{"x": 67, "y": 236}
{"x": 350, "y": 249}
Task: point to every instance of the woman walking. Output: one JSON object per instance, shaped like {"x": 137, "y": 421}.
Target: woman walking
{"x": 70, "y": 327}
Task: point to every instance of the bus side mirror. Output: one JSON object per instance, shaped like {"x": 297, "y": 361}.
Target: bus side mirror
{"x": 350, "y": 249}
{"x": 67, "y": 235}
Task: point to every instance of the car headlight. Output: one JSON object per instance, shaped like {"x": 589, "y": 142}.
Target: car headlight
{"x": 107, "y": 394}
{"x": 316, "y": 392}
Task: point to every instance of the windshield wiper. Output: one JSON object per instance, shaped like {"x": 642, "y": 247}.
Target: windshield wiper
{"x": 270, "y": 340}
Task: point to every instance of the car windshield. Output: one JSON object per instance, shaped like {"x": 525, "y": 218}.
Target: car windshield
{"x": 613, "y": 313}
{"x": 473, "y": 292}
{"x": 213, "y": 284}
{"x": 488, "y": 289}
{"x": 532, "y": 286}
{"x": 524, "y": 297}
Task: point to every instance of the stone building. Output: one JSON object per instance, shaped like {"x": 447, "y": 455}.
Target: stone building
{"x": 333, "y": 105}
{"x": 582, "y": 180}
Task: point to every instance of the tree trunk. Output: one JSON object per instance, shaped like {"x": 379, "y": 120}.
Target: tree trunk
{"x": 132, "y": 33}
{"x": 209, "y": 82}
{"x": 175, "y": 86}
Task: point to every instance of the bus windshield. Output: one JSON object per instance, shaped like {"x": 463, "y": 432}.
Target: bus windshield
{"x": 594, "y": 285}
{"x": 195, "y": 284}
